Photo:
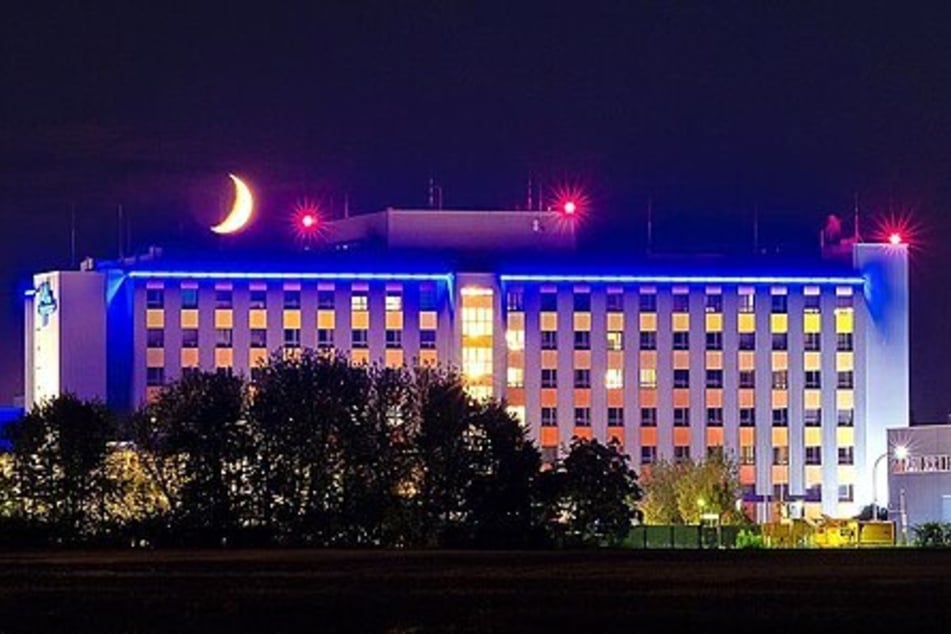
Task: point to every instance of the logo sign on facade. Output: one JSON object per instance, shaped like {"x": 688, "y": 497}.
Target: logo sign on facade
{"x": 45, "y": 302}
{"x": 939, "y": 463}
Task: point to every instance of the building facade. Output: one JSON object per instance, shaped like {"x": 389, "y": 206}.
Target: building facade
{"x": 796, "y": 371}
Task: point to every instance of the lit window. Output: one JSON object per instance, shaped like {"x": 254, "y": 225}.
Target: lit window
{"x": 615, "y": 340}
{"x": 394, "y": 301}
{"x": 427, "y": 339}
{"x": 515, "y": 339}
{"x": 154, "y": 298}
{"x": 614, "y": 378}
{"x": 648, "y": 378}
{"x": 155, "y": 338}
{"x": 747, "y": 454}
{"x": 394, "y": 338}
{"x": 359, "y": 301}
{"x": 359, "y": 339}
{"x": 223, "y": 337}
{"x": 515, "y": 377}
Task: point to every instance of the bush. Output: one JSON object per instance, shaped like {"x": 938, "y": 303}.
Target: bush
{"x": 749, "y": 539}
{"x": 932, "y": 535}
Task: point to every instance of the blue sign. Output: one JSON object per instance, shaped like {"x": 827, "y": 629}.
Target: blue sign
{"x": 45, "y": 302}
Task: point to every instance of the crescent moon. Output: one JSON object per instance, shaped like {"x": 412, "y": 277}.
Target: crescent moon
{"x": 241, "y": 210}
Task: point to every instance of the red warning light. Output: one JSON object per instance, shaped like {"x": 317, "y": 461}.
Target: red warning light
{"x": 305, "y": 222}
{"x": 308, "y": 220}
{"x": 571, "y": 201}
{"x": 570, "y": 207}
{"x": 895, "y": 238}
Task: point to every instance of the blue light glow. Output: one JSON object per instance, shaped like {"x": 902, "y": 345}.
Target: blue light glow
{"x": 310, "y": 275}
{"x": 689, "y": 279}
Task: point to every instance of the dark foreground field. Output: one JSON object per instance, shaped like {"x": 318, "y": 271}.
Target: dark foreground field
{"x": 894, "y": 590}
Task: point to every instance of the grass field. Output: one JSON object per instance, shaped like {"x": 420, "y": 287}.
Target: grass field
{"x": 894, "y": 590}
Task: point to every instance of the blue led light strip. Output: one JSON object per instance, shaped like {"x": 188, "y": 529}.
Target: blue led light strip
{"x": 311, "y": 275}
{"x": 688, "y": 279}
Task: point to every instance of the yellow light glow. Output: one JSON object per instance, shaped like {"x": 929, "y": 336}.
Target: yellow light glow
{"x": 241, "y": 210}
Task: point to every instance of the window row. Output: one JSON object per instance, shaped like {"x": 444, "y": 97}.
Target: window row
{"x": 290, "y": 299}
{"x": 258, "y": 338}
{"x": 812, "y": 342}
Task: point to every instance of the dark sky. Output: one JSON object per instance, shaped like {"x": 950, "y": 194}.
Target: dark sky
{"x": 710, "y": 110}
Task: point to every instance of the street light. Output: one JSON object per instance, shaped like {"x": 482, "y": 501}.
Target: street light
{"x": 901, "y": 452}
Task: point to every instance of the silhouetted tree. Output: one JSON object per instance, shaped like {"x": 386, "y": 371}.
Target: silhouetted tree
{"x": 59, "y": 450}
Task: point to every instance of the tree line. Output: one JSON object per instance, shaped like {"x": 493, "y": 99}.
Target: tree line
{"x": 315, "y": 452}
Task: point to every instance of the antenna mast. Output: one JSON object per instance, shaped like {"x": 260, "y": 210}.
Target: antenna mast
{"x": 855, "y": 212}
{"x": 650, "y": 224}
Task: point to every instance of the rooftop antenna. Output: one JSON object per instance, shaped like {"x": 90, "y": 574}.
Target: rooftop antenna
{"x": 756, "y": 228}
{"x": 530, "y": 187}
{"x": 72, "y": 235}
{"x": 855, "y": 212}
{"x": 346, "y": 205}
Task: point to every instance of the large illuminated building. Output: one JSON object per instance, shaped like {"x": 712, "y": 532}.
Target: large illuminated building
{"x": 796, "y": 368}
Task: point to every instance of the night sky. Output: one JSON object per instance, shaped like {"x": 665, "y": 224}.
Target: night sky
{"x": 715, "y": 112}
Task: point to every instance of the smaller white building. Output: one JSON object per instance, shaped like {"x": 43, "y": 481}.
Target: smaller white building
{"x": 919, "y": 474}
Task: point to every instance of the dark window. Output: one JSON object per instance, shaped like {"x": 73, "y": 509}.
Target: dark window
{"x": 845, "y": 417}
{"x": 549, "y": 340}
{"x": 843, "y": 342}
{"x": 843, "y": 301}
{"x": 358, "y": 338}
{"x": 647, "y": 302}
{"x": 812, "y": 417}
{"x": 681, "y": 341}
{"x": 394, "y": 338}
{"x": 681, "y": 378}
{"x": 615, "y": 417}
{"x": 549, "y": 301}
{"x": 814, "y": 493}
{"x": 845, "y": 455}
{"x": 223, "y": 298}
{"x": 747, "y": 379}
{"x": 747, "y": 417}
{"x": 780, "y": 380}
{"x": 780, "y": 341}
{"x": 714, "y": 378}
{"x": 649, "y": 417}
{"x": 811, "y": 303}
{"x": 325, "y": 299}
{"x": 582, "y": 340}
{"x": 714, "y": 303}
{"x": 814, "y": 455}
{"x": 582, "y": 378}
{"x": 583, "y": 417}
{"x": 746, "y": 302}
{"x": 778, "y": 303}
{"x": 780, "y": 417}
{"x": 292, "y": 337}
{"x": 325, "y": 338}
{"x": 715, "y": 416}
{"x": 154, "y": 298}
{"x": 155, "y": 338}
{"x": 780, "y": 456}
{"x": 648, "y": 454}
{"x": 844, "y": 379}
{"x": 813, "y": 379}
{"x": 427, "y": 297}
{"x": 291, "y": 299}
{"x": 747, "y": 340}
{"x": 258, "y": 338}
{"x": 258, "y": 300}
{"x": 845, "y": 493}
{"x": 812, "y": 341}
{"x": 515, "y": 301}
{"x": 681, "y": 416}
{"x": 615, "y": 301}
{"x": 154, "y": 376}
{"x": 427, "y": 339}
{"x": 189, "y": 298}
{"x": 681, "y": 302}
{"x": 748, "y": 457}
{"x": 714, "y": 341}
{"x": 681, "y": 453}
{"x": 549, "y": 377}
{"x": 549, "y": 417}
{"x": 648, "y": 340}
{"x": 582, "y": 302}
{"x": 189, "y": 337}
{"x": 223, "y": 337}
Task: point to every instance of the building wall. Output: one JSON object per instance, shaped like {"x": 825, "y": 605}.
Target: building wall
{"x": 918, "y": 484}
